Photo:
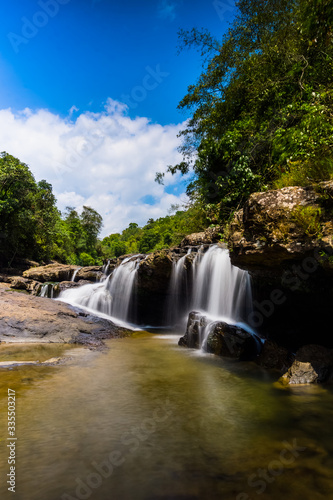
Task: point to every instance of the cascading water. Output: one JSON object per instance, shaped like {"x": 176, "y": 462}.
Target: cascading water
{"x": 179, "y": 290}
{"x": 201, "y": 281}
{"x": 113, "y": 297}
{"x": 75, "y": 273}
{"x": 216, "y": 289}
{"x": 219, "y": 288}
{"x": 47, "y": 290}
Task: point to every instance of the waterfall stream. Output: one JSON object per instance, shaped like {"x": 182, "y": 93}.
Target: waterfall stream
{"x": 114, "y": 296}
{"x": 201, "y": 281}
{"x": 212, "y": 286}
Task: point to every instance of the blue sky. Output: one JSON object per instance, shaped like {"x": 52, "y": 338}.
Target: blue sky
{"x": 97, "y": 79}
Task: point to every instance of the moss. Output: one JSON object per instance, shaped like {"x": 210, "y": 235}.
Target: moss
{"x": 308, "y": 219}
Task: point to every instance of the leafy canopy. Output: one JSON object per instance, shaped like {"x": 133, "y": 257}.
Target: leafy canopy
{"x": 261, "y": 111}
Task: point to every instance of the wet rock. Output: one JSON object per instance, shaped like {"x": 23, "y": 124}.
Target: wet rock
{"x": 232, "y": 342}
{"x": 194, "y": 331}
{"x": 65, "y": 285}
{"x": 222, "y": 339}
{"x": 275, "y": 357}
{"x": 313, "y": 364}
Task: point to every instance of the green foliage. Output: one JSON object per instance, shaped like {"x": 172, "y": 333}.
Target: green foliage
{"x": 157, "y": 234}
{"x": 261, "y": 111}
{"x": 85, "y": 259}
{"x": 32, "y": 227}
{"x": 308, "y": 220}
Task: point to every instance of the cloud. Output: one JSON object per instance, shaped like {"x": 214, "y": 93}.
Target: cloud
{"x": 167, "y": 9}
{"x": 104, "y": 160}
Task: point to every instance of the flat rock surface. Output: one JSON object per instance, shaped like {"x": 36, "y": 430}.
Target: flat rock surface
{"x": 27, "y": 318}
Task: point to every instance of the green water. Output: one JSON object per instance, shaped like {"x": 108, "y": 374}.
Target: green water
{"x": 163, "y": 422}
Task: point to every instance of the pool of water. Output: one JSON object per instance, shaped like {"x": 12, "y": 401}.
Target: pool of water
{"x": 148, "y": 420}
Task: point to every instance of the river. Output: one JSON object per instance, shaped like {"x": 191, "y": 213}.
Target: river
{"x": 148, "y": 420}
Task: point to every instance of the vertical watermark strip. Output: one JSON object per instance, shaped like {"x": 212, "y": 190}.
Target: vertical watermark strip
{"x": 11, "y": 475}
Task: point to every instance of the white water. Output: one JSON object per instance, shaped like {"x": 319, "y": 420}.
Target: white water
{"x": 209, "y": 284}
{"x": 221, "y": 289}
{"x": 178, "y": 290}
{"x": 75, "y": 273}
{"x": 214, "y": 287}
{"x": 112, "y": 297}
{"x": 47, "y": 290}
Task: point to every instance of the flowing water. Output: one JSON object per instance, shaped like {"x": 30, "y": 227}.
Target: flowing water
{"x": 150, "y": 420}
{"x": 208, "y": 283}
{"x": 114, "y": 296}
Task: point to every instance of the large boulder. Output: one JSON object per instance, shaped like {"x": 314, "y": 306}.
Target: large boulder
{"x": 232, "y": 342}
{"x": 284, "y": 238}
{"x": 222, "y": 339}
{"x": 282, "y": 225}
{"x": 51, "y": 273}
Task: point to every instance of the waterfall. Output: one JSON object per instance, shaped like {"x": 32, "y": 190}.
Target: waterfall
{"x": 112, "y": 297}
{"x": 47, "y": 290}
{"x": 75, "y": 273}
{"x": 179, "y": 290}
{"x": 214, "y": 287}
{"x": 219, "y": 288}
{"x": 204, "y": 281}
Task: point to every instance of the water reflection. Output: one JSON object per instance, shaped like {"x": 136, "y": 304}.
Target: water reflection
{"x": 149, "y": 420}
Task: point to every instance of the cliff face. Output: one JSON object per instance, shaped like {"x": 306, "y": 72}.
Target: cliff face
{"x": 284, "y": 238}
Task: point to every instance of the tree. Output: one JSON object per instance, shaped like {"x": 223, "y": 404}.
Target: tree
{"x": 17, "y": 224}
{"x": 92, "y": 223}
{"x": 262, "y": 105}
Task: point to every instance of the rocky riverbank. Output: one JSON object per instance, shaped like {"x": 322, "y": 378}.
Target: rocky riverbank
{"x": 283, "y": 238}
{"x": 27, "y": 318}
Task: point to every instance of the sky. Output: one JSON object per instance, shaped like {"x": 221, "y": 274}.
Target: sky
{"x": 89, "y": 91}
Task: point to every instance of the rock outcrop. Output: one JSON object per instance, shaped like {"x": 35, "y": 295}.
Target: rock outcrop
{"x": 153, "y": 281}
{"x": 208, "y": 237}
{"x": 90, "y": 273}
{"x": 283, "y": 225}
{"x": 284, "y": 238}
{"x": 52, "y": 272}
{"x": 27, "y": 318}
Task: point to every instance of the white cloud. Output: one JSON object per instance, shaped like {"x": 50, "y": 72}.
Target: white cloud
{"x": 104, "y": 160}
